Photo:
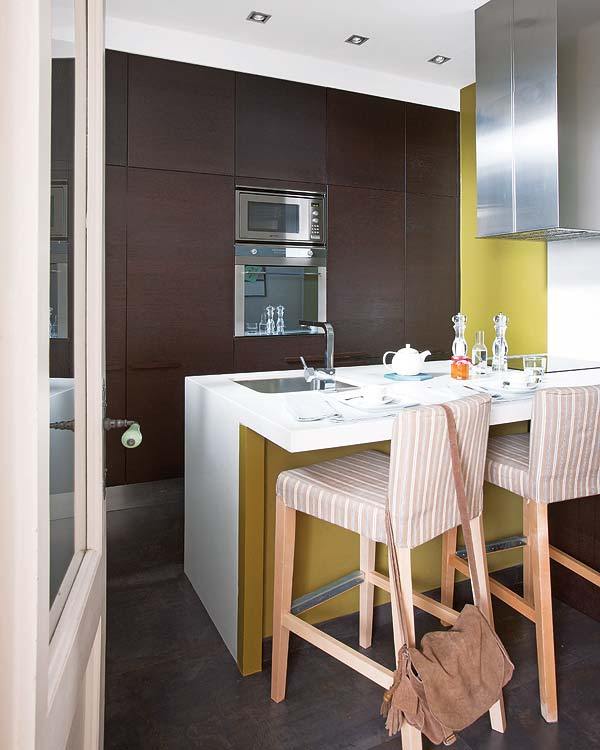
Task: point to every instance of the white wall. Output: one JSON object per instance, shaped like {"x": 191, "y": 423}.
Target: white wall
{"x": 172, "y": 44}
{"x": 574, "y": 298}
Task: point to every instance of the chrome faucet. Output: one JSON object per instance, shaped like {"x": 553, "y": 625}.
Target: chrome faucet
{"x": 322, "y": 377}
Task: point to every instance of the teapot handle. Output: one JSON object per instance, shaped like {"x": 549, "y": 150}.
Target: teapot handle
{"x": 388, "y": 366}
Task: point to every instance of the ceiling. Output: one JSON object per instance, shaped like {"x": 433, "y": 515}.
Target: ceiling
{"x": 403, "y": 34}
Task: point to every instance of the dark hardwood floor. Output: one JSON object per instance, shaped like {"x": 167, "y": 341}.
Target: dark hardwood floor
{"x": 172, "y": 685}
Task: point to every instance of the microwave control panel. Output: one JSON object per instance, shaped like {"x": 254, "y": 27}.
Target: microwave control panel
{"x": 316, "y": 220}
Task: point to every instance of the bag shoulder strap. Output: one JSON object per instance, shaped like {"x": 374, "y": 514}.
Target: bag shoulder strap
{"x": 463, "y": 509}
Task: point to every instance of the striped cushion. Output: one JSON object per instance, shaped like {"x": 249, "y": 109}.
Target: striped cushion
{"x": 561, "y": 461}
{"x": 350, "y": 492}
{"x": 507, "y": 463}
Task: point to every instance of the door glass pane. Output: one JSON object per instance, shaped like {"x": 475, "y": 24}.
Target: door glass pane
{"x": 66, "y": 253}
{"x": 273, "y": 217}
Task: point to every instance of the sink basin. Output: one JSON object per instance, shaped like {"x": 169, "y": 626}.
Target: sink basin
{"x": 288, "y": 385}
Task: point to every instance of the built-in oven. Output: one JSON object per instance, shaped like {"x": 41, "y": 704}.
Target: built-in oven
{"x": 277, "y": 286}
{"x": 287, "y": 217}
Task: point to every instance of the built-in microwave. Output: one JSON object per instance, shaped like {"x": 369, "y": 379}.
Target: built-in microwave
{"x": 268, "y": 216}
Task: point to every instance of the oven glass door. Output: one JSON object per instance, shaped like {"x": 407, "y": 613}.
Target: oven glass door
{"x": 299, "y": 290}
{"x": 273, "y": 217}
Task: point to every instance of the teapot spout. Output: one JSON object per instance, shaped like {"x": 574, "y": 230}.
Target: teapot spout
{"x": 425, "y": 354}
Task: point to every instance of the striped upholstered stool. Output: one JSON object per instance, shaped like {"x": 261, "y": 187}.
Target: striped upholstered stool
{"x": 558, "y": 460}
{"x": 416, "y": 480}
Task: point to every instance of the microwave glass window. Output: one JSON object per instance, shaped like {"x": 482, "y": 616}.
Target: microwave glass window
{"x": 273, "y": 217}
{"x": 296, "y": 288}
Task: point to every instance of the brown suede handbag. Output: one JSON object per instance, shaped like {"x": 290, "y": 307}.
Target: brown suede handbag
{"x": 458, "y": 674}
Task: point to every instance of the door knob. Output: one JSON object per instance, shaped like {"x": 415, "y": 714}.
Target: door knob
{"x": 132, "y": 437}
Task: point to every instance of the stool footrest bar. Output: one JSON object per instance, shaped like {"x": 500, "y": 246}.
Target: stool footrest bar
{"x": 327, "y": 592}
{"x": 499, "y": 545}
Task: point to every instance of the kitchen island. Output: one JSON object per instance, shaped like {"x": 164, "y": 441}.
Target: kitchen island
{"x": 237, "y": 441}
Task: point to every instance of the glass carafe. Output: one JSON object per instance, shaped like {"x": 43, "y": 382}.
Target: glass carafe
{"x": 500, "y": 345}
{"x": 459, "y": 345}
{"x": 479, "y": 354}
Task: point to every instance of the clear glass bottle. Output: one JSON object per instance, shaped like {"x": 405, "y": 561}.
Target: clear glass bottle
{"x": 479, "y": 354}
{"x": 280, "y": 324}
{"x": 459, "y": 345}
{"x": 500, "y": 345}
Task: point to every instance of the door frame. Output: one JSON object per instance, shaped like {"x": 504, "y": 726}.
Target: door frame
{"x": 51, "y": 689}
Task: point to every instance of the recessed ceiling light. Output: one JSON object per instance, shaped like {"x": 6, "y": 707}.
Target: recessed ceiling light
{"x": 357, "y": 39}
{"x": 439, "y": 59}
{"x": 258, "y": 17}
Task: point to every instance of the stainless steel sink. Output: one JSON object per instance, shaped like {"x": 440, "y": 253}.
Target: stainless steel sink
{"x": 288, "y": 385}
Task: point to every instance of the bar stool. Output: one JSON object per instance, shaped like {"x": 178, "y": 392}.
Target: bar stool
{"x": 352, "y": 492}
{"x": 558, "y": 460}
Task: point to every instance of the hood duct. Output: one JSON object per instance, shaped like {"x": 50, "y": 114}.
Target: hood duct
{"x": 538, "y": 119}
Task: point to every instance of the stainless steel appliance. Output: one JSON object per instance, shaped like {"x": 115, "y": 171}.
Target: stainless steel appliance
{"x": 538, "y": 119}
{"x": 293, "y": 276}
{"x": 270, "y": 216}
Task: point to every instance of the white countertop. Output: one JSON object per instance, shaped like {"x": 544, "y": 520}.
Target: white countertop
{"x": 268, "y": 415}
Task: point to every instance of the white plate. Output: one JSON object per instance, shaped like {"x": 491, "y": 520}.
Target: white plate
{"x": 519, "y": 389}
{"x": 360, "y": 403}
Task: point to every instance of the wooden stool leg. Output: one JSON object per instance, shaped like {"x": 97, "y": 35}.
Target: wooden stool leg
{"x": 527, "y": 564}
{"x": 367, "y": 590}
{"x": 542, "y": 596}
{"x": 285, "y": 536}
{"x": 497, "y": 714}
{"x": 448, "y": 572}
{"x": 411, "y": 737}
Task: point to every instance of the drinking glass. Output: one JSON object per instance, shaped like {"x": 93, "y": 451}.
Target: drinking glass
{"x": 534, "y": 367}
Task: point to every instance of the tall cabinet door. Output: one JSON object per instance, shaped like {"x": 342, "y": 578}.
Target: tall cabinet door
{"x": 180, "y": 303}
{"x": 432, "y": 271}
{"x": 365, "y": 288}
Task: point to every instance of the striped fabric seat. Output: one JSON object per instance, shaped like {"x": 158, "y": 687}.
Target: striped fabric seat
{"x": 507, "y": 463}
{"x": 560, "y": 459}
{"x": 417, "y": 477}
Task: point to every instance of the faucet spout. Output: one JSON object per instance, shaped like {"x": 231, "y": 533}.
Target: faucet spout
{"x": 328, "y": 328}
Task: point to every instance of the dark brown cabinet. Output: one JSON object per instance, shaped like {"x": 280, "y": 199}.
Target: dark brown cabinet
{"x": 365, "y": 275}
{"x": 431, "y": 271}
{"x": 179, "y": 303}
{"x": 277, "y": 353}
{"x": 181, "y": 117}
{"x": 431, "y": 150}
{"x": 116, "y": 108}
{"x": 365, "y": 141}
{"x": 280, "y": 129}
{"x": 116, "y": 314}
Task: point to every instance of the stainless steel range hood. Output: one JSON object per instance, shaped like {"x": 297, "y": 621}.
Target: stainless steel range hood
{"x": 538, "y": 119}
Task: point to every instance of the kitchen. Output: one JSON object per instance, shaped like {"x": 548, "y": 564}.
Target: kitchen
{"x": 350, "y": 272}
{"x": 338, "y": 206}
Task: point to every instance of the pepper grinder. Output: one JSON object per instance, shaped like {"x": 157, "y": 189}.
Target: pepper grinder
{"x": 459, "y": 345}
{"x": 270, "y": 310}
{"x": 280, "y": 325}
{"x": 500, "y": 345}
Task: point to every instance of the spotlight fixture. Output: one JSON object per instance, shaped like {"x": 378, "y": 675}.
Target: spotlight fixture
{"x": 439, "y": 59}
{"x": 258, "y": 17}
{"x": 357, "y": 39}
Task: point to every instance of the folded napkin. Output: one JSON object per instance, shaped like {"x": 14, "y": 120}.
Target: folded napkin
{"x": 308, "y": 408}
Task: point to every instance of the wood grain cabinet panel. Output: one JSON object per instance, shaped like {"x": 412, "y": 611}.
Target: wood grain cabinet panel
{"x": 365, "y": 276}
{"x": 431, "y": 271}
{"x": 115, "y": 259}
{"x": 261, "y": 354}
{"x": 365, "y": 141}
{"x": 116, "y": 107}
{"x": 280, "y": 129}
{"x": 181, "y": 117}
{"x": 179, "y": 303}
{"x": 431, "y": 150}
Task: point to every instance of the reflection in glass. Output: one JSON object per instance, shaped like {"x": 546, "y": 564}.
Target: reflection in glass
{"x": 60, "y": 314}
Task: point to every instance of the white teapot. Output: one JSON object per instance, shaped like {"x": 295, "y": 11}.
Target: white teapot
{"x": 407, "y": 361}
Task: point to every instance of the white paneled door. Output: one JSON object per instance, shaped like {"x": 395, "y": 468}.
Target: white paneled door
{"x": 52, "y": 513}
